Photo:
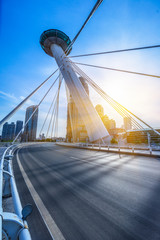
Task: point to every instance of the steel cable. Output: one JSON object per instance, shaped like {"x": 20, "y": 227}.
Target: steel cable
{"x": 119, "y": 110}
{"x": 128, "y": 111}
{"x": 35, "y": 109}
{"x": 118, "y": 70}
{"x": 115, "y": 51}
{"x": 55, "y": 121}
{"x": 21, "y": 104}
{"x": 48, "y": 112}
{"x": 97, "y": 4}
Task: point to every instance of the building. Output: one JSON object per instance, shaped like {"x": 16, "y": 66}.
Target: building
{"x": 112, "y": 124}
{"x": 115, "y": 132}
{"x": 5, "y": 131}
{"x": 141, "y": 136}
{"x": 69, "y": 129}
{"x": 31, "y": 127}
{"x": 19, "y": 126}
{"x": 108, "y": 123}
{"x": 42, "y": 136}
{"x": 72, "y": 121}
{"x": 76, "y": 131}
{"x": 8, "y": 131}
{"x": 127, "y": 123}
{"x": 100, "y": 110}
{"x": 11, "y": 130}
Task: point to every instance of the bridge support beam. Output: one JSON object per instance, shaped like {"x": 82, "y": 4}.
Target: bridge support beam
{"x": 94, "y": 125}
{"x": 56, "y": 43}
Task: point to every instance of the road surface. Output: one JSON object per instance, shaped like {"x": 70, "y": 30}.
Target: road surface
{"x": 88, "y": 195}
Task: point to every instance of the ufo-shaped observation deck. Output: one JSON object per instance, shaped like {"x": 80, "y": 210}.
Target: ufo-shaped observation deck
{"x": 52, "y": 36}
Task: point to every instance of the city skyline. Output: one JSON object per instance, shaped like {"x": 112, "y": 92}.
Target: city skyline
{"x": 11, "y": 130}
{"x": 24, "y": 65}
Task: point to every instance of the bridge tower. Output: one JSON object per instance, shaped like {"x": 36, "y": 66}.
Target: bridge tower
{"x": 55, "y": 43}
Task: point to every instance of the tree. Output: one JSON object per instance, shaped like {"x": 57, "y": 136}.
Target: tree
{"x": 114, "y": 141}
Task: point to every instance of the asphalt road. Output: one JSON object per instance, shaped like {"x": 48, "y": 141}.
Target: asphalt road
{"x": 89, "y": 194}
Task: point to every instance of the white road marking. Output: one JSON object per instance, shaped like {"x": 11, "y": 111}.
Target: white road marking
{"x": 48, "y": 220}
{"x": 74, "y": 157}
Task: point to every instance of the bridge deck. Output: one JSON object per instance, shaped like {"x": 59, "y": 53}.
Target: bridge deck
{"x": 91, "y": 195}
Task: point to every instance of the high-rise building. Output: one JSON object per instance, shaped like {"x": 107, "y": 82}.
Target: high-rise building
{"x": 11, "y": 130}
{"x": 76, "y": 130}
{"x": 19, "y": 126}
{"x": 5, "y": 131}
{"x": 108, "y": 123}
{"x": 127, "y": 123}
{"x": 100, "y": 110}
{"x": 8, "y": 131}
{"x": 31, "y": 127}
{"x": 72, "y": 121}
{"x": 112, "y": 124}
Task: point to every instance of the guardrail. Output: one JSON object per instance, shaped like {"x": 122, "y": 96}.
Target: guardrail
{"x": 119, "y": 148}
{"x": 142, "y": 151}
{"x": 13, "y": 226}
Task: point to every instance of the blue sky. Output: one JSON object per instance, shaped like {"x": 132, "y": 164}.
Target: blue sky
{"x": 116, "y": 24}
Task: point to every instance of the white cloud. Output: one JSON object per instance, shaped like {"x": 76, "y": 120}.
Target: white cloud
{"x": 7, "y": 95}
{"x": 29, "y": 101}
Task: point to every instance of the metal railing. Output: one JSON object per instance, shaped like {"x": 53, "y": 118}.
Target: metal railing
{"x": 12, "y": 225}
{"x": 131, "y": 149}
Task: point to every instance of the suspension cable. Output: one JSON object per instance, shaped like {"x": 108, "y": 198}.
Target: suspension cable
{"x": 115, "y": 106}
{"x": 56, "y": 126}
{"x": 55, "y": 120}
{"x": 119, "y": 110}
{"x": 115, "y": 51}
{"x": 20, "y": 104}
{"x": 53, "y": 110}
{"x": 130, "y": 112}
{"x": 111, "y": 101}
{"x": 118, "y": 70}
{"x": 97, "y": 4}
{"x": 48, "y": 112}
{"x": 35, "y": 110}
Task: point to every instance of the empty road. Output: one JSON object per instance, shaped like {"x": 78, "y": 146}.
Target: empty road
{"x": 88, "y": 195}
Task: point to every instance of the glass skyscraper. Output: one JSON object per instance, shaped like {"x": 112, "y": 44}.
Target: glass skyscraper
{"x": 19, "y": 126}
{"x": 8, "y": 131}
{"x": 31, "y": 127}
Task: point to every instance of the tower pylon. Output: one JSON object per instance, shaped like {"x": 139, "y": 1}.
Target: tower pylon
{"x": 55, "y": 44}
